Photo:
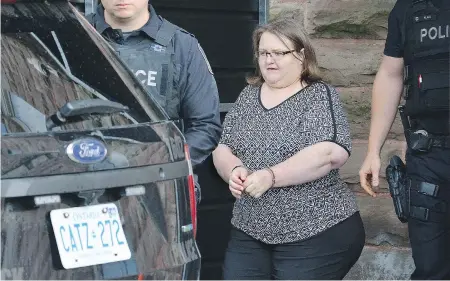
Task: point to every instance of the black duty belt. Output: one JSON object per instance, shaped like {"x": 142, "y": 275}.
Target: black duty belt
{"x": 421, "y": 141}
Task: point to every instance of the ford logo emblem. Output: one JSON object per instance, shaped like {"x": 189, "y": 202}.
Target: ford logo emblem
{"x": 86, "y": 151}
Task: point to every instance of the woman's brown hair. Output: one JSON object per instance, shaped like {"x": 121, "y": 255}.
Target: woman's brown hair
{"x": 290, "y": 29}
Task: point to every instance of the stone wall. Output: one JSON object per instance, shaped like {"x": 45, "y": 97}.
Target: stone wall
{"x": 349, "y": 37}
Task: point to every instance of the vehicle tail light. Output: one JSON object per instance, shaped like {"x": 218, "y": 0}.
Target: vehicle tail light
{"x": 191, "y": 185}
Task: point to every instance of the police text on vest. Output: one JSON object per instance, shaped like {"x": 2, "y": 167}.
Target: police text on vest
{"x": 151, "y": 77}
{"x": 434, "y": 32}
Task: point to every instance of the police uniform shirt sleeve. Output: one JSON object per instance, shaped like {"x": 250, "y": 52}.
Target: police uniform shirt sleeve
{"x": 326, "y": 119}
{"x": 200, "y": 103}
{"x": 393, "y": 45}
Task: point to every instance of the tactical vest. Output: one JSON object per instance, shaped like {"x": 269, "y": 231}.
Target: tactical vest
{"x": 427, "y": 41}
{"x": 153, "y": 63}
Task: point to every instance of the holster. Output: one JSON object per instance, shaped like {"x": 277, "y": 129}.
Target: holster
{"x": 398, "y": 187}
{"x": 414, "y": 199}
{"x": 419, "y": 140}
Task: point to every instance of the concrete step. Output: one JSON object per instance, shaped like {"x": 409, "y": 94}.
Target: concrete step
{"x": 382, "y": 263}
{"x": 381, "y": 223}
{"x": 387, "y": 254}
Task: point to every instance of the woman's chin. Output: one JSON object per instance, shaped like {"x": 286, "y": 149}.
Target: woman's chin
{"x": 272, "y": 79}
{"x": 275, "y": 83}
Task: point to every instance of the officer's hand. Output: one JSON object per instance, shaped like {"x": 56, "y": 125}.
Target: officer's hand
{"x": 369, "y": 173}
{"x": 236, "y": 182}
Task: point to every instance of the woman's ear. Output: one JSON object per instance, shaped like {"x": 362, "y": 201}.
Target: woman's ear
{"x": 302, "y": 53}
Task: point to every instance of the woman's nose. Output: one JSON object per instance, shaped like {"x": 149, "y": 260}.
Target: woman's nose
{"x": 269, "y": 58}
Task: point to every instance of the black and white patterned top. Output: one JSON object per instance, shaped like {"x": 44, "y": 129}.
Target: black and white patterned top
{"x": 262, "y": 137}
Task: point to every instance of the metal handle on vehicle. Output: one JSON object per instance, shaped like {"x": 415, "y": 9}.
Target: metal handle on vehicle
{"x": 73, "y": 111}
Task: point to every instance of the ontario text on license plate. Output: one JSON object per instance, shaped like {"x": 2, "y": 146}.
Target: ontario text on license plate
{"x": 89, "y": 235}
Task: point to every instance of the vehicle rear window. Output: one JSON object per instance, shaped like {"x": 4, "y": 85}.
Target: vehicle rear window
{"x": 43, "y": 68}
{"x": 35, "y": 86}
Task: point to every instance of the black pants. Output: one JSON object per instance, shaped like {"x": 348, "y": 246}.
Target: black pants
{"x": 430, "y": 240}
{"x": 328, "y": 255}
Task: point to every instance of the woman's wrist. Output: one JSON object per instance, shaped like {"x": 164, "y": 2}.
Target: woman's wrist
{"x": 240, "y": 166}
{"x": 272, "y": 176}
{"x": 237, "y": 166}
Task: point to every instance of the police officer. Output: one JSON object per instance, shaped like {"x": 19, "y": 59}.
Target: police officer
{"x": 416, "y": 62}
{"x": 171, "y": 65}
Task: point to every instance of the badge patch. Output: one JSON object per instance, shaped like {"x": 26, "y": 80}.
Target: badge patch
{"x": 206, "y": 60}
{"x": 158, "y": 48}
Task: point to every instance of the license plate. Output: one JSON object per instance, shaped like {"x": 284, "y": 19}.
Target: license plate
{"x": 89, "y": 235}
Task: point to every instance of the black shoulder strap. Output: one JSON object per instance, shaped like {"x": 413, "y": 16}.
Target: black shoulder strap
{"x": 166, "y": 33}
{"x": 414, "y": 6}
{"x": 419, "y": 5}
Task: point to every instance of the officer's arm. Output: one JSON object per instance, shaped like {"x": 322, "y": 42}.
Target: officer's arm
{"x": 386, "y": 94}
{"x": 200, "y": 106}
{"x": 388, "y": 83}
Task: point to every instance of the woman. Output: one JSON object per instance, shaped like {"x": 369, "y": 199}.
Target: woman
{"x": 281, "y": 147}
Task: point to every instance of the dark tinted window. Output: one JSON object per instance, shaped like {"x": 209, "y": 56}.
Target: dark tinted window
{"x": 35, "y": 86}
{"x": 48, "y": 66}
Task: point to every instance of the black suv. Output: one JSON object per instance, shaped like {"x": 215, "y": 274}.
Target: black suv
{"x": 96, "y": 181}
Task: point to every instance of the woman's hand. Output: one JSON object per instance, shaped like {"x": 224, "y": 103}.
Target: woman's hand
{"x": 258, "y": 183}
{"x": 236, "y": 183}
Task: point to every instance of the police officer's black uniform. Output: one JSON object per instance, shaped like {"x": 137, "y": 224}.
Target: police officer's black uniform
{"x": 419, "y": 32}
{"x": 174, "y": 69}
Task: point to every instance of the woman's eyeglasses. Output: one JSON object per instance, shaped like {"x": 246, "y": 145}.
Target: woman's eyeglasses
{"x": 273, "y": 54}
